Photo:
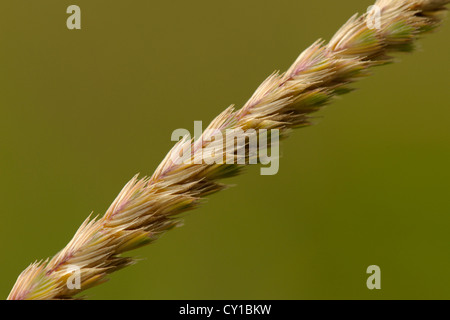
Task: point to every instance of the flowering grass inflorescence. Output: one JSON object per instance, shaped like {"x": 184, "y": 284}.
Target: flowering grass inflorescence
{"x": 148, "y": 207}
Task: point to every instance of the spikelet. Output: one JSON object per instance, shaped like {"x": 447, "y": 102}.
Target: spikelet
{"x": 148, "y": 207}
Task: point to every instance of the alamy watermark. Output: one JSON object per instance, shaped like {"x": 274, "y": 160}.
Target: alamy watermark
{"x": 74, "y": 20}
{"x": 229, "y": 146}
{"x": 373, "y": 20}
{"x": 74, "y": 281}
{"x": 374, "y": 280}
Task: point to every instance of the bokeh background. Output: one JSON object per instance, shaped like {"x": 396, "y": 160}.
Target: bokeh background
{"x": 82, "y": 111}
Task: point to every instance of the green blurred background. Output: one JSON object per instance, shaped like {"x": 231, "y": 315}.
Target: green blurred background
{"x": 82, "y": 111}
